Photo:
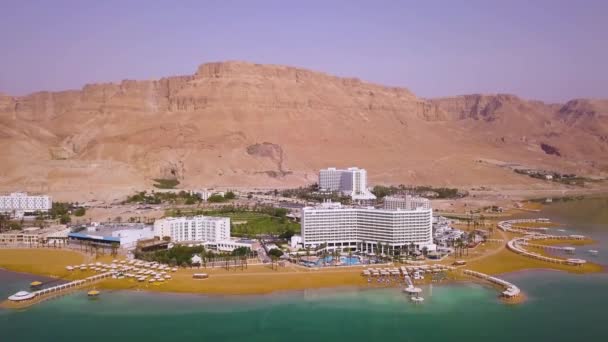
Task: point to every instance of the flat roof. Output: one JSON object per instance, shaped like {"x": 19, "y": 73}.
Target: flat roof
{"x": 93, "y": 237}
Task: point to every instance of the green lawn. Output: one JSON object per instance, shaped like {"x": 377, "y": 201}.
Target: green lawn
{"x": 251, "y": 223}
{"x": 257, "y": 223}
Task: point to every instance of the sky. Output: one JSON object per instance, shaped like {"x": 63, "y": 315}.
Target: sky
{"x": 537, "y": 49}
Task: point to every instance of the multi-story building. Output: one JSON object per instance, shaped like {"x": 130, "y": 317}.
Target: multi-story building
{"x": 351, "y": 182}
{"x": 19, "y": 203}
{"x": 406, "y": 202}
{"x": 367, "y": 229}
{"x": 203, "y": 193}
{"x": 211, "y": 232}
{"x": 194, "y": 228}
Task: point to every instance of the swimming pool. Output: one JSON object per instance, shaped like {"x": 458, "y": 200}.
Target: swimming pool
{"x": 347, "y": 261}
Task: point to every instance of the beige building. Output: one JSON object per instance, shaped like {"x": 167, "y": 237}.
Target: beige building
{"x": 54, "y": 235}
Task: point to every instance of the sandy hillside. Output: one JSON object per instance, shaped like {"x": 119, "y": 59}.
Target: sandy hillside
{"x": 243, "y": 124}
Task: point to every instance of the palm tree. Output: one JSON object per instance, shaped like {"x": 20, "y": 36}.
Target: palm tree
{"x": 114, "y": 248}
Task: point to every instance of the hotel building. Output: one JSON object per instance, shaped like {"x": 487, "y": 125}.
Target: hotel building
{"x": 406, "y": 203}
{"x": 211, "y": 232}
{"x": 351, "y": 182}
{"x": 367, "y": 229}
{"x": 20, "y": 203}
{"x": 195, "y": 228}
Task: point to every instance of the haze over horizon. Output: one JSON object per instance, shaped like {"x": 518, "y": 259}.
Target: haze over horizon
{"x": 547, "y": 50}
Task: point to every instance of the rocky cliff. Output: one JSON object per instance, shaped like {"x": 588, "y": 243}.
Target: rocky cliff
{"x": 244, "y": 124}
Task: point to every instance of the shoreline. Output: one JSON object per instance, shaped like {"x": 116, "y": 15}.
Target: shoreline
{"x": 459, "y": 282}
{"x": 455, "y": 278}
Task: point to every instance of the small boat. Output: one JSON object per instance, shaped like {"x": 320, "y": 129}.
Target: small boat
{"x": 593, "y": 252}
{"x": 35, "y": 284}
{"x": 93, "y": 293}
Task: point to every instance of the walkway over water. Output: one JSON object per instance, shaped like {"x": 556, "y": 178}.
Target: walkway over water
{"x": 510, "y": 289}
{"x": 24, "y": 298}
{"x": 516, "y": 244}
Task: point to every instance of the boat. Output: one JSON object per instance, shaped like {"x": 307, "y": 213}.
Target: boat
{"x": 35, "y": 284}
{"x": 21, "y": 295}
{"x": 593, "y": 252}
{"x": 93, "y": 293}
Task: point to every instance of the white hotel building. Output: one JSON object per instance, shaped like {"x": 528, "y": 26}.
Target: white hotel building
{"x": 195, "y": 228}
{"x": 211, "y": 231}
{"x": 364, "y": 229}
{"x": 351, "y": 181}
{"x": 406, "y": 203}
{"x": 20, "y": 203}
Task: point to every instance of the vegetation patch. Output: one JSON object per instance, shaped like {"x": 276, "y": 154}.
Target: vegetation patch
{"x": 181, "y": 197}
{"x": 165, "y": 183}
{"x": 551, "y": 150}
{"x": 182, "y": 255}
{"x": 425, "y": 191}
{"x": 311, "y": 193}
{"x": 218, "y": 198}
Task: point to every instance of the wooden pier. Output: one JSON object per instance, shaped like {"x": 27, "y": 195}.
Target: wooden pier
{"x": 22, "y": 300}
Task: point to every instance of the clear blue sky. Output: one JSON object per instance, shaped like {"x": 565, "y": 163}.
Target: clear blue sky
{"x": 548, "y": 50}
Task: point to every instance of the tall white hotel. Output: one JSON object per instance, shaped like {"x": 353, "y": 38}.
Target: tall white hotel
{"x": 351, "y": 181}
{"x": 195, "y": 228}
{"x": 20, "y": 203}
{"x": 402, "y": 223}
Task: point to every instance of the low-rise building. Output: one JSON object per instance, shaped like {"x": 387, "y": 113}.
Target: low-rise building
{"x": 50, "y": 236}
{"x": 126, "y": 235}
{"x": 296, "y": 241}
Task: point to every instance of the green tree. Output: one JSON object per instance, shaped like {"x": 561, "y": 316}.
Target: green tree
{"x": 15, "y": 226}
{"x": 65, "y": 219}
{"x": 275, "y": 252}
{"x": 80, "y": 211}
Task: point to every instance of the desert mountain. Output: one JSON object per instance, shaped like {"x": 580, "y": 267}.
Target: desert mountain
{"x": 243, "y": 124}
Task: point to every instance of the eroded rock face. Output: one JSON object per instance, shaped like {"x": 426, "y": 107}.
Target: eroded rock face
{"x": 245, "y": 124}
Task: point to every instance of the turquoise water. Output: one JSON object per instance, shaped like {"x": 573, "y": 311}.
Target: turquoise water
{"x": 560, "y": 307}
{"x": 349, "y": 261}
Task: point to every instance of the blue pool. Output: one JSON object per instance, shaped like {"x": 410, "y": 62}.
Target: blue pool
{"x": 344, "y": 260}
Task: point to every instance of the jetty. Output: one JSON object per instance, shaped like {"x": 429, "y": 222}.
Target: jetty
{"x": 517, "y": 244}
{"x": 510, "y": 290}
{"x": 153, "y": 272}
{"x": 24, "y": 299}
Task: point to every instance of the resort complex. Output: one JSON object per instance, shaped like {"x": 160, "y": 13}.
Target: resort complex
{"x": 367, "y": 229}
{"x": 395, "y": 241}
